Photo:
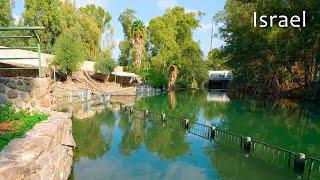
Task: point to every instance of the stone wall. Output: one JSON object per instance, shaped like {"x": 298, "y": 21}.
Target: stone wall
{"x": 26, "y": 93}
{"x": 44, "y": 153}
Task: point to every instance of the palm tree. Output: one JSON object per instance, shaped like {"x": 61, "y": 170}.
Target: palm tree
{"x": 139, "y": 35}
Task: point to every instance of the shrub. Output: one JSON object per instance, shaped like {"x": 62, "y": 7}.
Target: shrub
{"x": 69, "y": 52}
{"x": 105, "y": 64}
{"x": 7, "y": 111}
{"x": 23, "y": 121}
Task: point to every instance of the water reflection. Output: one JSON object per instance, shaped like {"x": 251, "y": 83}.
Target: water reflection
{"x": 289, "y": 124}
{"x": 112, "y": 145}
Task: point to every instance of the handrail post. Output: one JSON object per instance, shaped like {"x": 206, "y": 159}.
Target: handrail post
{"x": 186, "y": 124}
{"x": 300, "y": 162}
{"x": 146, "y": 113}
{"x": 247, "y": 144}
{"x": 213, "y": 132}
{"x": 40, "y": 63}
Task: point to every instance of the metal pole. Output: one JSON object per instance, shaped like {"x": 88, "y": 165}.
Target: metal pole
{"x": 54, "y": 74}
{"x": 39, "y": 56}
{"x": 211, "y": 43}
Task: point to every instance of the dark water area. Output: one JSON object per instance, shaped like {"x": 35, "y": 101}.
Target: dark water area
{"x": 113, "y": 145}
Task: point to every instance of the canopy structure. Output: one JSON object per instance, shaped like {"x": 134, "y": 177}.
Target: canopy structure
{"x": 23, "y": 33}
{"x": 124, "y": 74}
{"x": 220, "y": 75}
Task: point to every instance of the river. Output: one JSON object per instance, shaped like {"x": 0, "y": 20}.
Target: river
{"x": 113, "y": 145}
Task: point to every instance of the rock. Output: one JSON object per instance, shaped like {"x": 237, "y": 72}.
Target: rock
{"x": 40, "y": 82}
{"x": 38, "y": 92}
{"x": 25, "y": 96}
{"x": 45, "y": 102}
{"x": 12, "y": 94}
{"x": 2, "y": 89}
{"x": 41, "y": 153}
{"x": 3, "y": 99}
{"x": 19, "y": 103}
{"x": 12, "y": 84}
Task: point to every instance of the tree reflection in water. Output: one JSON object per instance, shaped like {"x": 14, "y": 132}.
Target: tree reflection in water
{"x": 137, "y": 147}
{"x": 93, "y": 136}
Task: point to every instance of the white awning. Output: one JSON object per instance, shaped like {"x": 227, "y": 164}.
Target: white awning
{"x": 124, "y": 74}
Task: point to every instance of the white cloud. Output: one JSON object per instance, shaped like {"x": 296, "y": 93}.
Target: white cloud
{"x": 166, "y": 4}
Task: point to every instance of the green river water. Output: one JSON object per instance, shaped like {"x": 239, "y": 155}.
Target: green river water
{"x": 112, "y": 145}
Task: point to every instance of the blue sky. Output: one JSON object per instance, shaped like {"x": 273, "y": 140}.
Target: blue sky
{"x": 148, "y": 9}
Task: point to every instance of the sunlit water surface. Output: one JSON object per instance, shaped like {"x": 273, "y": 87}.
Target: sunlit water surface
{"x": 112, "y": 145}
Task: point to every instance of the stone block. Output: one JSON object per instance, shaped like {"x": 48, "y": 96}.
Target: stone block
{"x": 3, "y": 99}
{"x": 12, "y": 84}
{"x": 19, "y": 103}
{"x": 25, "y": 96}
{"x": 11, "y": 94}
{"x": 40, "y": 82}
{"x": 3, "y": 88}
{"x": 45, "y": 102}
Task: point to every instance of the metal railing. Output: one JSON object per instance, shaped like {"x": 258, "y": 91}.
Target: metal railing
{"x": 305, "y": 166}
{"x": 31, "y": 34}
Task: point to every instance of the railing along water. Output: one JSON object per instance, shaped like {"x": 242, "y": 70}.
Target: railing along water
{"x": 308, "y": 167}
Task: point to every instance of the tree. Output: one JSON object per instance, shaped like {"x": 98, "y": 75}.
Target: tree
{"x": 47, "y": 14}
{"x": 69, "y": 52}
{"x": 270, "y": 60}
{"x": 173, "y": 50}
{"x": 70, "y": 16}
{"x": 216, "y": 61}
{"x": 105, "y": 64}
{"x": 91, "y": 37}
{"x": 98, "y": 14}
{"x": 126, "y": 19}
{"x": 5, "y": 13}
{"x": 139, "y": 35}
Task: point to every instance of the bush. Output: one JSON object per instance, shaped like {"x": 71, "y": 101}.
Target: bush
{"x": 69, "y": 52}
{"x": 105, "y": 64}
{"x": 7, "y": 111}
{"x": 23, "y": 121}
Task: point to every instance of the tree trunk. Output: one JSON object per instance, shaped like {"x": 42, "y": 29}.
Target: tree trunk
{"x": 173, "y": 77}
{"x": 172, "y": 99}
{"x": 138, "y": 51}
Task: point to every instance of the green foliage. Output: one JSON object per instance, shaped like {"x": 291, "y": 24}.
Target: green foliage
{"x": 98, "y": 14}
{"x": 172, "y": 43}
{"x": 7, "y": 111}
{"x": 5, "y": 13}
{"x": 94, "y": 21}
{"x": 132, "y": 48}
{"x": 216, "y": 61}
{"x": 26, "y": 119}
{"x": 69, "y": 52}
{"x": 126, "y": 19}
{"x": 90, "y": 37}
{"x": 47, "y": 14}
{"x": 70, "y": 16}
{"x": 270, "y": 60}
{"x": 105, "y": 64}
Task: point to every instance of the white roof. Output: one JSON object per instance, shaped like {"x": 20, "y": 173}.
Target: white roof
{"x": 124, "y": 74}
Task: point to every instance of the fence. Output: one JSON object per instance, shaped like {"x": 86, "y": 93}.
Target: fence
{"x": 146, "y": 90}
{"x": 68, "y": 96}
{"x": 308, "y": 167}
{"x": 32, "y": 34}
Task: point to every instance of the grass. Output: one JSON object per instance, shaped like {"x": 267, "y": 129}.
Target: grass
{"x": 21, "y": 122}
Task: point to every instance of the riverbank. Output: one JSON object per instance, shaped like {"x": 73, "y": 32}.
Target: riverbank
{"x": 45, "y": 152}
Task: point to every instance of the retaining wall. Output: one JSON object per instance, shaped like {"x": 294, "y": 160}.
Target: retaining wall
{"x": 44, "y": 153}
{"x": 26, "y": 93}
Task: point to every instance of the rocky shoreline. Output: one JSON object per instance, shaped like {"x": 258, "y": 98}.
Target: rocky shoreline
{"x": 45, "y": 152}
